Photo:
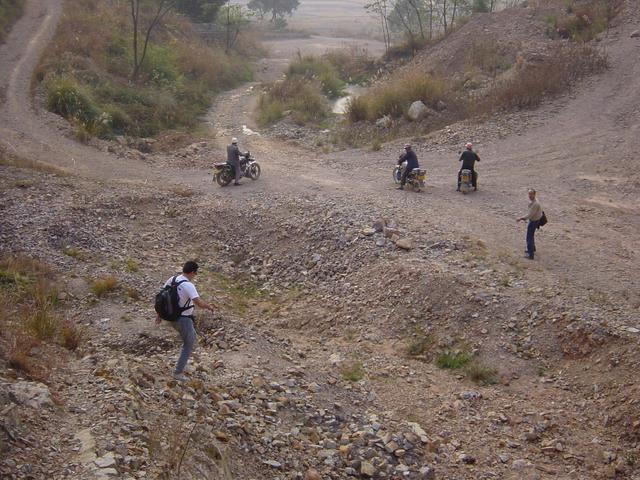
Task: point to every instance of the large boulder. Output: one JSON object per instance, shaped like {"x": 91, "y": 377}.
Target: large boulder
{"x": 32, "y": 394}
{"x": 417, "y": 111}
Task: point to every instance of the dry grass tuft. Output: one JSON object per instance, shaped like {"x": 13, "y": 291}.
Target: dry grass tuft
{"x": 104, "y": 285}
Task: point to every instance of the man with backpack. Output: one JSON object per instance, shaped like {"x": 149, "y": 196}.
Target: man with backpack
{"x": 176, "y": 303}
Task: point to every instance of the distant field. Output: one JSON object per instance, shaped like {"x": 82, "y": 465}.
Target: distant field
{"x": 334, "y": 17}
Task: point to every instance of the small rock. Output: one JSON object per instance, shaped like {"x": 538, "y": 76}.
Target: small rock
{"x": 635, "y": 34}
{"x": 405, "y": 244}
{"x": 466, "y": 458}
{"x": 367, "y": 469}
{"x": 106, "y": 461}
{"x": 312, "y": 475}
{"x": 367, "y": 232}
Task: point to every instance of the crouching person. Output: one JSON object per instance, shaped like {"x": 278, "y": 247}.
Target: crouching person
{"x": 178, "y": 300}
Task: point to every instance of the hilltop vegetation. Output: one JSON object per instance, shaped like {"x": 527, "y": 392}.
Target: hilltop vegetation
{"x": 87, "y": 72}
{"x": 10, "y": 11}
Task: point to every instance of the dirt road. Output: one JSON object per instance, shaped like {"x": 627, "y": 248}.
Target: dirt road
{"x": 578, "y": 159}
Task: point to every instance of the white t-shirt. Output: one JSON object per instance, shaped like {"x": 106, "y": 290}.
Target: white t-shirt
{"x": 186, "y": 293}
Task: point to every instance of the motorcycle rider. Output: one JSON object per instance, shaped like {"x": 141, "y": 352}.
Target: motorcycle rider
{"x": 233, "y": 159}
{"x": 412, "y": 162}
{"x": 468, "y": 159}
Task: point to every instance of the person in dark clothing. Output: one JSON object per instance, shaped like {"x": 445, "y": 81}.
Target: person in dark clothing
{"x": 233, "y": 159}
{"x": 411, "y": 158}
{"x": 469, "y": 159}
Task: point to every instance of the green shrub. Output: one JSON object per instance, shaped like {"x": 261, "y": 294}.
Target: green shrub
{"x": 353, "y": 64}
{"x": 314, "y": 68}
{"x": 357, "y": 109}
{"x": 353, "y": 372}
{"x": 394, "y": 98}
{"x": 68, "y": 99}
{"x": 303, "y": 97}
{"x": 453, "y": 360}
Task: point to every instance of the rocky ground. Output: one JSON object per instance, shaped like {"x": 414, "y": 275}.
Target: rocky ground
{"x": 337, "y": 295}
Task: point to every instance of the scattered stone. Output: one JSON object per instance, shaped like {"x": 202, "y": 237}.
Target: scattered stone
{"x": 405, "y": 244}
{"x": 367, "y": 469}
{"x": 635, "y": 34}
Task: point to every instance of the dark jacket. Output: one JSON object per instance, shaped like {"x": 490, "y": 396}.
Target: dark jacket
{"x": 233, "y": 154}
{"x": 411, "y": 158}
{"x": 468, "y": 159}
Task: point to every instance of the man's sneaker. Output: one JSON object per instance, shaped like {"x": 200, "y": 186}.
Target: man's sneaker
{"x": 180, "y": 377}
{"x": 400, "y": 188}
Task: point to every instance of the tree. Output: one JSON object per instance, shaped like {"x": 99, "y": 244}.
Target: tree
{"x": 277, "y": 8}
{"x": 380, "y": 8}
{"x": 232, "y": 18}
{"x": 162, "y": 7}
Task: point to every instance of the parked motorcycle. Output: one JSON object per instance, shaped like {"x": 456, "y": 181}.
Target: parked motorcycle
{"x": 224, "y": 174}
{"x": 415, "y": 179}
{"x": 466, "y": 181}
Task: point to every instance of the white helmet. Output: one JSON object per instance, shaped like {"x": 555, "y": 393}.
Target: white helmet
{"x": 234, "y": 141}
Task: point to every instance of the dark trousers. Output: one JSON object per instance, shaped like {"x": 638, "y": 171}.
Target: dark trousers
{"x": 474, "y": 177}
{"x": 405, "y": 174}
{"x": 532, "y": 226}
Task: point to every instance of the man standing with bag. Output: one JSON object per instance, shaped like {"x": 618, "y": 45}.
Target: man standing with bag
{"x": 233, "y": 158}
{"x": 187, "y": 297}
{"x": 534, "y": 215}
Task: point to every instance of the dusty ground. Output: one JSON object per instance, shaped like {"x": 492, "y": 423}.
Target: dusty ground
{"x": 560, "y": 330}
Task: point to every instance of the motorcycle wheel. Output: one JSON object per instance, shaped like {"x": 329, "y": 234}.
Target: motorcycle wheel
{"x": 224, "y": 178}
{"x": 397, "y": 175}
{"x": 254, "y": 171}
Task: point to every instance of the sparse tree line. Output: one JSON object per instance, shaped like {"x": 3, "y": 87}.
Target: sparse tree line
{"x": 419, "y": 21}
{"x": 229, "y": 16}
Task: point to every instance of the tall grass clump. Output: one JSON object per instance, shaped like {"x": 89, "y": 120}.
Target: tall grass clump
{"x": 395, "y": 98}
{"x": 301, "y": 97}
{"x": 86, "y": 73}
{"x": 584, "y": 21}
{"x": 353, "y": 64}
{"x": 30, "y": 315}
{"x": 10, "y": 11}
{"x": 317, "y": 69}
{"x": 532, "y": 83}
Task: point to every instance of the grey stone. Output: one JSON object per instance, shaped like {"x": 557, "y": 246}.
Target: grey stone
{"x": 32, "y": 394}
{"x": 417, "y": 110}
{"x": 635, "y": 34}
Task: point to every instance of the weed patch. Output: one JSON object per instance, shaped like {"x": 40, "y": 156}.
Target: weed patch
{"x": 533, "y": 83}
{"x": 453, "y": 360}
{"x": 480, "y": 374}
{"x": 353, "y": 372}
{"x": 104, "y": 285}
{"x": 70, "y": 335}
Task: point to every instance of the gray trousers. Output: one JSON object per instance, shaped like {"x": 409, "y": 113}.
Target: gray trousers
{"x": 184, "y": 326}
{"x": 236, "y": 168}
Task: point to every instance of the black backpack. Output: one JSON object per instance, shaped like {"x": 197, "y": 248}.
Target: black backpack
{"x": 543, "y": 220}
{"x": 167, "y": 303}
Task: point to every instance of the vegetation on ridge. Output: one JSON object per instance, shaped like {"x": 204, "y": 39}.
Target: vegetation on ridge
{"x": 10, "y": 11}
{"x": 86, "y": 72}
